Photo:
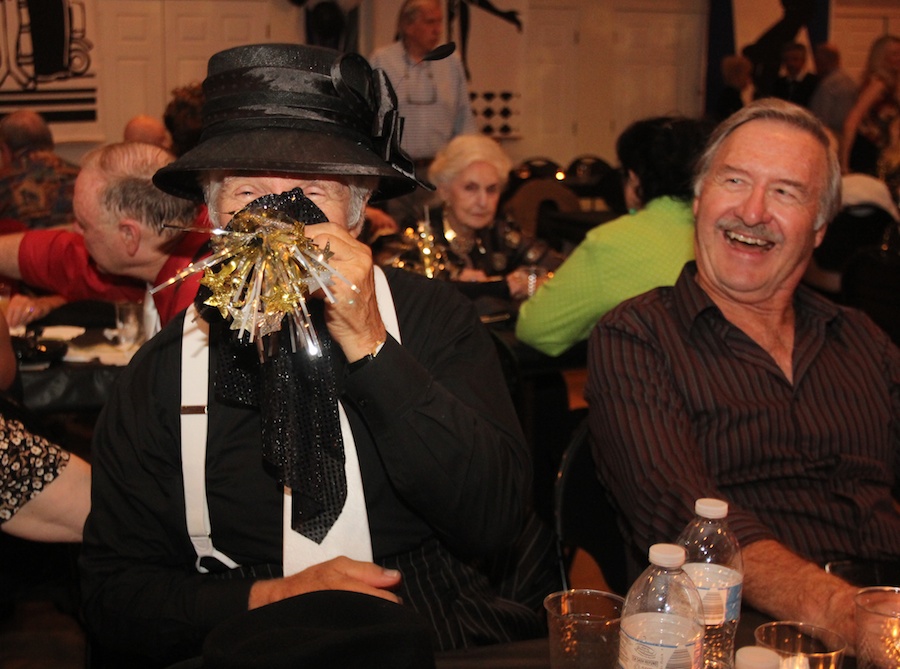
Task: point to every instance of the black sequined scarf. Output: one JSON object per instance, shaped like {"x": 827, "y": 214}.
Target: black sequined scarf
{"x": 297, "y": 397}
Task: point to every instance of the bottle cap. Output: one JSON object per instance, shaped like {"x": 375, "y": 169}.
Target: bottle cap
{"x": 756, "y": 657}
{"x": 711, "y": 508}
{"x": 667, "y": 555}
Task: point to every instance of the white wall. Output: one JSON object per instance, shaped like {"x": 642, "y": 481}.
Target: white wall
{"x": 591, "y": 66}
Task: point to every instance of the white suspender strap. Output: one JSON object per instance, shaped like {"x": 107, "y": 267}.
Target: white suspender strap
{"x": 194, "y": 419}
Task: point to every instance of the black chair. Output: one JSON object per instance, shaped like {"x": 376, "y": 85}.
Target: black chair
{"x": 871, "y": 282}
{"x": 585, "y": 174}
{"x": 536, "y": 168}
{"x": 536, "y": 199}
{"x": 584, "y": 517}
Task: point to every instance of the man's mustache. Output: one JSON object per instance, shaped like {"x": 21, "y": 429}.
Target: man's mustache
{"x": 762, "y": 232}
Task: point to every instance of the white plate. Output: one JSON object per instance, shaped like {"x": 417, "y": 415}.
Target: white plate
{"x": 62, "y": 332}
{"x": 104, "y": 353}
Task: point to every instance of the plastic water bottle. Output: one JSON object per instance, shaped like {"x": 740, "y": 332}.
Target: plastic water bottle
{"x": 714, "y": 565}
{"x": 662, "y": 623}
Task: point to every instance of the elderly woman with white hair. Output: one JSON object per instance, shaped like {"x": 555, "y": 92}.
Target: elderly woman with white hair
{"x": 470, "y": 173}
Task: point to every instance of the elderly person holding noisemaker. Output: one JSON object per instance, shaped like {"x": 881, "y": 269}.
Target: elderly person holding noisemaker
{"x": 384, "y": 457}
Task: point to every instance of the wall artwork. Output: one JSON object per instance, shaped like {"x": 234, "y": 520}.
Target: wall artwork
{"x": 48, "y": 64}
{"x": 489, "y": 39}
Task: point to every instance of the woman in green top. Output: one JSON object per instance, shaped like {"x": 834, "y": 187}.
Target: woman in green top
{"x": 633, "y": 253}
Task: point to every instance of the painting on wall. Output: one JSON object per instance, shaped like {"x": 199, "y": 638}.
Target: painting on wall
{"x": 47, "y": 64}
{"x": 489, "y": 38}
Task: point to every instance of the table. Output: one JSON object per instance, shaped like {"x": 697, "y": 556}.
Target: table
{"x": 535, "y": 653}
{"x": 531, "y": 654}
{"x": 81, "y": 382}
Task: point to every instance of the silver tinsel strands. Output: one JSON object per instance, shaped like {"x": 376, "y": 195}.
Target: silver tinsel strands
{"x": 264, "y": 267}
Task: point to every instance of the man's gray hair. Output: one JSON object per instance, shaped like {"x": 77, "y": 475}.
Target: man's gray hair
{"x": 361, "y": 188}
{"x": 127, "y": 170}
{"x": 409, "y": 11}
{"x": 773, "y": 109}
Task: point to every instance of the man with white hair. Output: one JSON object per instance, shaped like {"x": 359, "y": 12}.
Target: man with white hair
{"x": 392, "y": 464}
{"x": 741, "y": 384}
{"x": 130, "y": 237}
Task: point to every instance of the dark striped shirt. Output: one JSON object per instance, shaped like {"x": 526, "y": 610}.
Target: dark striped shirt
{"x": 684, "y": 405}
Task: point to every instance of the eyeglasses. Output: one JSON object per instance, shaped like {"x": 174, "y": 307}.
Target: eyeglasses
{"x": 419, "y": 84}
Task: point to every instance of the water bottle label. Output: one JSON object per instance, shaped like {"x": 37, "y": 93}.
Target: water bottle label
{"x": 720, "y": 590}
{"x": 659, "y": 641}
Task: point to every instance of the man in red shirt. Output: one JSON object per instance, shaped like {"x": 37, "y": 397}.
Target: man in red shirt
{"x": 132, "y": 236}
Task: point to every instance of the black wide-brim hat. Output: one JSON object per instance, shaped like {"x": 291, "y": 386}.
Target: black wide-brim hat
{"x": 295, "y": 109}
{"x": 322, "y": 630}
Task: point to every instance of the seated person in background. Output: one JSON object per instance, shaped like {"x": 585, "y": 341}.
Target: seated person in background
{"x": 183, "y": 117}
{"x": 130, "y": 230}
{"x": 471, "y": 245}
{"x": 739, "y": 383}
{"x": 36, "y": 184}
{"x": 45, "y": 491}
{"x": 148, "y": 130}
{"x": 866, "y": 212}
{"x": 631, "y": 254}
{"x": 429, "y": 473}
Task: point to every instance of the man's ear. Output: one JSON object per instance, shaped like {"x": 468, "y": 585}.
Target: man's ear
{"x": 131, "y": 232}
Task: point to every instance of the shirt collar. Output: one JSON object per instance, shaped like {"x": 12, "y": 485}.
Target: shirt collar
{"x": 692, "y": 303}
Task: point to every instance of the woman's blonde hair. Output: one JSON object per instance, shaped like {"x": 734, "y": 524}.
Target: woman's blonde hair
{"x": 462, "y": 151}
{"x": 876, "y": 64}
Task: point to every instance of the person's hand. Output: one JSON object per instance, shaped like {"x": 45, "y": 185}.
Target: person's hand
{"x": 518, "y": 282}
{"x": 24, "y": 309}
{"x": 473, "y": 275}
{"x": 353, "y": 320}
{"x": 340, "y": 573}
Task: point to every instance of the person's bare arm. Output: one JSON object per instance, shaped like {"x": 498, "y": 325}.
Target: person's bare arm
{"x": 864, "y": 102}
{"x": 59, "y": 511}
{"x": 338, "y": 574}
{"x": 8, "y": 364}
{"x": 9, "y": 255}
{"x": 785, "y": 586}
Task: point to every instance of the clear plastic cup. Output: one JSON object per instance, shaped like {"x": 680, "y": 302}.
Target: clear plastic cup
{"x": 584, "y": 629}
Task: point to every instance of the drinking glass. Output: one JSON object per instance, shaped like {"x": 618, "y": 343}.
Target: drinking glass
{"x": 129, "y": 316}
{"x": 584, "y": 629}
{"x": 878, "y": 628}
{"x": 802, "y": 646}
